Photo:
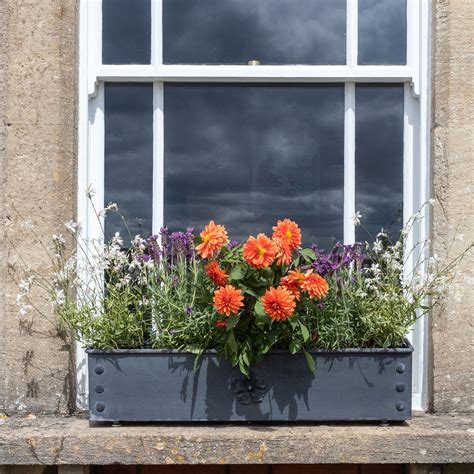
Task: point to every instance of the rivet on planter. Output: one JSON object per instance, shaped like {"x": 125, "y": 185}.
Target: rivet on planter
{"x": 400, "y": 406}
{"x": 99, "y": 388}
{"x": 99, "y": 407}
{"x": 400, "y": 368}
{"x": 99, "y": 370}
{"x": 400, "y": 387}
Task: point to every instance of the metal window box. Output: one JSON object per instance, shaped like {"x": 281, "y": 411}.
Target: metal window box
{"x": 146, "y": 385}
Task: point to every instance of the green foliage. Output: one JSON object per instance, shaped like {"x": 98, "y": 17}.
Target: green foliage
{"x": 181, "y": 302}
{"x": 160, "y": 295}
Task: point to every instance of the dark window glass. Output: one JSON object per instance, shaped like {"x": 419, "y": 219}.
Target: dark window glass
{"x": 129, "y": 158}
{"x": 270, "y": 31}
{"x": 379, "y": 159}
{"x": 382, "y": 32}
{"x": 247, "y": 155}
{"x": 126, "y": 31}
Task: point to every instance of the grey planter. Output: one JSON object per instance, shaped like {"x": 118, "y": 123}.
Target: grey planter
{"x": 162, "y": 385}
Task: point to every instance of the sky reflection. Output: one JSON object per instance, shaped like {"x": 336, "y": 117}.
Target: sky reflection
{"x": 247, "y": 155}
{"x": 126, "y": 31}
{"x": 129, "y": 157}
{"x": 379, "y": 158}
{"x": 382, "y": 32}
{"x": 271, "y": 31}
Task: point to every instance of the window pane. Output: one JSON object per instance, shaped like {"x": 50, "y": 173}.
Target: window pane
{"x": 270, "y": 31}
{"x": 126, "y": 31}
{"x": 382, "y": 32}
{"x": 247, "y": 155}
{"x": 379, "y": 158}
{"x": 129, "y": 157}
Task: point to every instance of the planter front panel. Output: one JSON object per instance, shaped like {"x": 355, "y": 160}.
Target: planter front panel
{"x": 145, "y": 385}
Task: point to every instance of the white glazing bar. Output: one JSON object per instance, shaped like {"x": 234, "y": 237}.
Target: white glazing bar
{"x": 352, "y": 33}
{"x": 93, "y": 56}
{"x": 298, "y": 73}
{"x": 413, "y": 41}
{"x": 156, "y": 32}
{"x": 349, "y": 163}
{"x": 158, "y": 156}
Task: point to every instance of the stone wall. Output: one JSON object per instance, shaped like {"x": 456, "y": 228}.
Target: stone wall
{"x": 37, "y": 163}
{"x": 453, "y": 188}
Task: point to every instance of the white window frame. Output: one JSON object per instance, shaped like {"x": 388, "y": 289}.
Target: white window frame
{"x": 416, "y": 168}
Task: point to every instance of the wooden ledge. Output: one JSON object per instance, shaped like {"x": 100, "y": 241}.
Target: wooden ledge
{"x": 54, "y": 440}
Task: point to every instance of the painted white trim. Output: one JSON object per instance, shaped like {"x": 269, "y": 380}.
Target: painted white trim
{"x": 82, "y": 178}
{"x": 413, "y": 41}
{"x": 287, "y": 73}
{"x": 352, "y": 33}
{"x": 93, "y": 27}
{"x": 158, "y": 157}
{"x": 349, "y": 163}
{"x": 156, "y": 32}
{"x": 90, "y": 151}
{"x": 420, "y": 400}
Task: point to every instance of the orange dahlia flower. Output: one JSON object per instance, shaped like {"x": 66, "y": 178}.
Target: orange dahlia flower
{"x": 213, "y": 238}
{"x": 284, "y": 254}
{"x": 228, "y": 300}
{"x": 288, "y": 234}
{"x": 260, "y": 251}
{"x": 278, "y": 303}
{"x": 315, "y": 285}
{"x": 218, "y": 276}
{"x": 292, "y": 282}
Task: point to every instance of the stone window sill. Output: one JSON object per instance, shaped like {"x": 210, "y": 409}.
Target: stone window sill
{"x": 54, "y": 440}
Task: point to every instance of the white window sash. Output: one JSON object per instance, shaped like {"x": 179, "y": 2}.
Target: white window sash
{"x": 416, "y": 172}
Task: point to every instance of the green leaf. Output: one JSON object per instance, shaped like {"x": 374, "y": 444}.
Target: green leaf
{"x": 194, "y": 349}
{"x": 232, "y": 343}
{"x": 273, "y": 336}
{"x": 244, "y": 357}
{"x": 197, "y": 359}
{"x": 237, "y": 273}
{"x": 248, "y": 291}
{"x": 232, "y": 321}
{"x": 308, "y": 254}
{"x": 259, "y": 311}
{"x": 310, "y": 361}
{"x": 267, "y": 272}
{"x": 293, "y": 322}
{"x": 243, "y": 368}
{"x": 304, "y": 331}
{"x": 295, "y": 346}
{"x": 264, "y": 348}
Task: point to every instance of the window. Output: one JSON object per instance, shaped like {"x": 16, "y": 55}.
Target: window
{"x": 246, "y": 111}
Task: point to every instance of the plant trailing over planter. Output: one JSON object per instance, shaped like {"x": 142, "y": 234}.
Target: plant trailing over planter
{"x": 264, "y": 307}
{"x": 176, "y": 290}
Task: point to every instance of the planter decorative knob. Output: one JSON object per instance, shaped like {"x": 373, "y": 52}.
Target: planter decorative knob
{"x": 400, "y": 406}
{"x": 400, "y": 387}
{"x": 250, "y": 389}
{"x": 400, "y": 368}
